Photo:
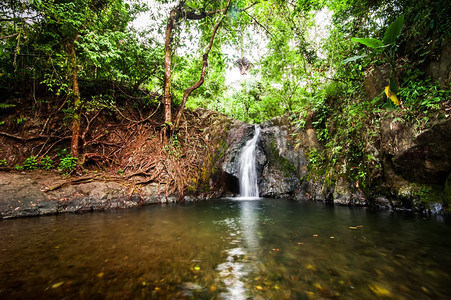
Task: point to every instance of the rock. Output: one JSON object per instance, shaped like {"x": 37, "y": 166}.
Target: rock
{"x": 348, "y": 194}
{"x": 381, "y": 202}
{"x": 440, "y": 68}
{"x": 280, "y": 164}
{"x": 376, "y": 79}
{"x": 428, "y": 154}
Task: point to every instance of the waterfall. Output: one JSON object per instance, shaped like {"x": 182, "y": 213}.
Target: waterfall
{"x": 248, "y": 169}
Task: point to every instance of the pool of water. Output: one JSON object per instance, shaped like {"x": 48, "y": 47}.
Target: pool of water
{"x": 227, "y": 249}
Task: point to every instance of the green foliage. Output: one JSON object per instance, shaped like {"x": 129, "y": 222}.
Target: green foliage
{"x": 393, "y": 31}
{"x": 6, "y": 105}
{"x": 174, "y": 148}
{"x": 67, "y": 164}
{"x": 369, "y": 42}
{"x": 3, "y": 162}
{"x": 46, "y": 163}
{"x": 31, "y": 163}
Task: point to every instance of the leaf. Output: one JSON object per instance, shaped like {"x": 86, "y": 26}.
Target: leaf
{"x": 369, "y": 42}
{"x": 391, "y": 95}
{"x": 393, "y": 31}
{"x": 393, "y": 85}
{"x": 379, "y": 290}
{"x": 351, "y": 59}
{"x": 57, "y": 285}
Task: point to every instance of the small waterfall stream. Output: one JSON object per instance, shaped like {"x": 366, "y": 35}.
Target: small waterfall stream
{"x": 248, "y": 169}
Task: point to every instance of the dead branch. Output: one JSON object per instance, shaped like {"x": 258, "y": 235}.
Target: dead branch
{"x": 71, "y": 182}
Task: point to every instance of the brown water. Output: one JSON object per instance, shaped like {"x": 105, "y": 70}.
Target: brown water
{"x": 225, "y": 249}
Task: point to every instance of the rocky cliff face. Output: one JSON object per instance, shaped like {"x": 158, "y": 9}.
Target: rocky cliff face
{"x": 280, "y": 165}
{"x": 410, "y": 159}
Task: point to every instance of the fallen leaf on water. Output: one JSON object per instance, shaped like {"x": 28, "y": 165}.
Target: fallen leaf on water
{"x": 57, "y": 285}
{"x": 379, "y": 290}
{"x": 352, "y": 227}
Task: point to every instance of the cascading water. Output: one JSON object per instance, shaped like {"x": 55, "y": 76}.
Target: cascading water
{"x": 248, "y": 169}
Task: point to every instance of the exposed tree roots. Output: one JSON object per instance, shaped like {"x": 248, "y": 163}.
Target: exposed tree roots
{"x": 121, "y": 145}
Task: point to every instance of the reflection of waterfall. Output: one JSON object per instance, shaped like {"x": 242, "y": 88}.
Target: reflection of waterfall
{"x": 248, "y": 170}
{"x": 236, "y": 272}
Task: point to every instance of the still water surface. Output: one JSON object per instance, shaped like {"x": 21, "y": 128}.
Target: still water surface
{"x": 227, "y": 249}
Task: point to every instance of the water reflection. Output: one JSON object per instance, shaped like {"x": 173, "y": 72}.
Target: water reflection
{"x": 242, "y": 256}
{"x": 223, "y": 249}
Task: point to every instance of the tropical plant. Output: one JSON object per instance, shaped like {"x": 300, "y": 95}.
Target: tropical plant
{"x": 387, "y": 47}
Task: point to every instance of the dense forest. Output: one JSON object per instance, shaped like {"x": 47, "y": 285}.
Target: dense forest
{"x": 82, "y": 81}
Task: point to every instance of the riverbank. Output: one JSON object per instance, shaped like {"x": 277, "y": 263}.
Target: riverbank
{"x": 37, "y": 193}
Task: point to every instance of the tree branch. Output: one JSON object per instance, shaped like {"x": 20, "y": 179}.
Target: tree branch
{"x": 189, "y": 90}
{"x": 8, "y": 36}
{"x": 259, "y": 24}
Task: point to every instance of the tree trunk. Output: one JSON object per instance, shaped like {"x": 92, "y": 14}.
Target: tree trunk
{"x": 167, "y": 69}
{"x": 74, "y": 146}
{"x": 189, "y": 90}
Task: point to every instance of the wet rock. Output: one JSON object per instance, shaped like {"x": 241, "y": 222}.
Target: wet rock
{"x": 348, "y": 194}
{"x": 236, "y": 139}
{"x": 381, "y": 202}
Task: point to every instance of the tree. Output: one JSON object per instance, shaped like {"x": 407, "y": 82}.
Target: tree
{"x": 69, "y": 23}
{"x": 182, "y": 10}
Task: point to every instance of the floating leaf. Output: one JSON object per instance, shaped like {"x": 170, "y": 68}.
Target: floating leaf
{"x": 352, "y": 227}
{"x": 57, "y": 285}
{"x": 379, "y": 290}
{"x": 391, "y": 95}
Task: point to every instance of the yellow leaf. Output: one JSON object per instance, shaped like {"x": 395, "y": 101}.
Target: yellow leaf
{"x": 391, "y": 95}
{"x": 57, "y": 285}
{"x": 379, "y": 290}
{"x": 258, "y": 287}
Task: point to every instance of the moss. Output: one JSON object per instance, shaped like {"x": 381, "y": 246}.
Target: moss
{"x": 447, "y": 189}
{"x": 283, "y": 164}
